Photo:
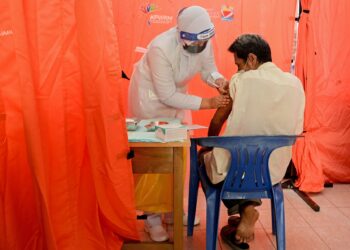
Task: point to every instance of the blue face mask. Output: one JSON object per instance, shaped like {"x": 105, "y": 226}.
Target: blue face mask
{"x": 194, "y": 49}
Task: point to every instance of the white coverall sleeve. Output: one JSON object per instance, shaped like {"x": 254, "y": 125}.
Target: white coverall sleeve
{"x": 163, "y": 81}
{"x": 209, "y": 72}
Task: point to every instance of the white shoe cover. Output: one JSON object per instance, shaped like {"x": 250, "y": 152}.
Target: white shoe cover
{"x": 153, "y": 226}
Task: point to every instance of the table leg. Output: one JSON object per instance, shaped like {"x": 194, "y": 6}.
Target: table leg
{"x": 178, "y": 197}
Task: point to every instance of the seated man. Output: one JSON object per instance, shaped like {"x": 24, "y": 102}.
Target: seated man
{"x": 265, "y": 101}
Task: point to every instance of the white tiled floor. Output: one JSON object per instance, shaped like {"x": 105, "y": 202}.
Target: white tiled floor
{"x": 305, "y": 229}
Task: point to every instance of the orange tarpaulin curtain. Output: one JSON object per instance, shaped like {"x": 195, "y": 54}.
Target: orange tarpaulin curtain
{"x": 65, "y": 182}
{"x": 322, "y": 64}
{"x": 3, "y": 156}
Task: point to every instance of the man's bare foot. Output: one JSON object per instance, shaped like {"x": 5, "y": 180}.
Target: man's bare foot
{"x": 245, "y": 229}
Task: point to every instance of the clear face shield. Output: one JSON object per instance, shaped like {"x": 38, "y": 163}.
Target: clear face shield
{"x": 196, "y": 43}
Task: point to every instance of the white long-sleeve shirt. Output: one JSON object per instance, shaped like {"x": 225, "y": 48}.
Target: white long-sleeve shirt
{"x": 266, "y": 101}
{"x": 158, "y": 86}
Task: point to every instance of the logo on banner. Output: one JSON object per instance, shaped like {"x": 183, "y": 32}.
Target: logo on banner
{"x": 214, "y": 14}
{"x": 149, "y": 7}
{"x": 227, "y": 13}
{"x": 160, "y": 19}
{"x": 4, "y": 33}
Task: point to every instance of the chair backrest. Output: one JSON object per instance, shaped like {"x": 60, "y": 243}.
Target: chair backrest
{"x": 248, "y": 176}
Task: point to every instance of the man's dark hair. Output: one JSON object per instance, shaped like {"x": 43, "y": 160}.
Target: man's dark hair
{"x": 251, "y": 43}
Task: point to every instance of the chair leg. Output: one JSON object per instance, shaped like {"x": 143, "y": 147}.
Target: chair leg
{"x": 280, "y": 219}
{"x": 213, "y": 212}
{"x": 193, "y": 191}
{"x": 273, "y": 217}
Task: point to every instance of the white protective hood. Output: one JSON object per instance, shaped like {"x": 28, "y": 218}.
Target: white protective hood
{"x": 194, "y": 19}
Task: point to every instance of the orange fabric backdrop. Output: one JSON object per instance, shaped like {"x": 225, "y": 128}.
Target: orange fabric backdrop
{"x": 64, "y": 178}
{"x": 323, "y": 65}
{"x": 65, "y": 182}
{"x": 143, "y": 20}
{"x": 3, "y": 156}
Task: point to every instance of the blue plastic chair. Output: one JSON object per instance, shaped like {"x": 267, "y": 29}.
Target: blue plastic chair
{"x": 248, "y": 178}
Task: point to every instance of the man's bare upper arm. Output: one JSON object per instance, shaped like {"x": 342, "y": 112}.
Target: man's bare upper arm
{"x": 219, "y": 119}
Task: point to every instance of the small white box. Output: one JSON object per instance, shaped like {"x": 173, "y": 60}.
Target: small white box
{"x": 131, "y": 124}
{"x": 171, "y": 132}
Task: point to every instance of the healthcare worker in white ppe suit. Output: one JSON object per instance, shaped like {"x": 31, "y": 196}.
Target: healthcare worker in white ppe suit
{"x": 158, "y": 88}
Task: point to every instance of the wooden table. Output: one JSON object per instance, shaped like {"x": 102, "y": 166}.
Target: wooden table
{"x": 161, "y": 158}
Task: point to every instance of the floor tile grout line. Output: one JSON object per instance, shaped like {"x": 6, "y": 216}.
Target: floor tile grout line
{"x": 341, "y": 211}
{"x": 270, "y": 240}
{"x": 311, "y": 227}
